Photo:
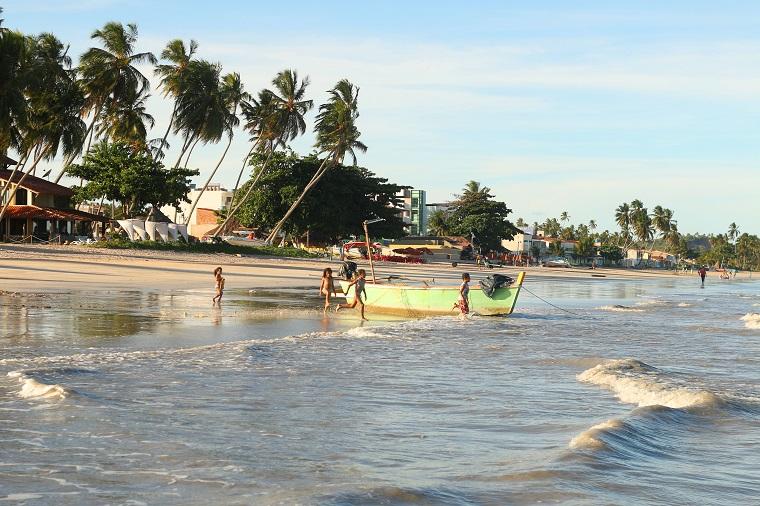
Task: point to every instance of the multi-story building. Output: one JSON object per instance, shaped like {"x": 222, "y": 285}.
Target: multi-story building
{"x": 414, "y": 212}
{"x": 204, "y": 217}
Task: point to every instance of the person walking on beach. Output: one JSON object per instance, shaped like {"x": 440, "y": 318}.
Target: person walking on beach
{"x": 702, "y": 273}
{"x": 327, "y": 286}
{"x": 463, "y": 303}
{"x": 359, "y": 289}
{"x": 217, "y": 300}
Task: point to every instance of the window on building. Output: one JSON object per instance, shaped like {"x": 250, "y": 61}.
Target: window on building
{"x": 21, "y": 197}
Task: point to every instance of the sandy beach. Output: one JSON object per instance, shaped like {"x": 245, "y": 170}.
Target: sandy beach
{"x": 28, "y": 268}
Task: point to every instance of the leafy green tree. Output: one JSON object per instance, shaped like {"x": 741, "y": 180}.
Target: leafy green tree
{"x": 476, "y": 214}
{"x": 355, "y": 195}
{"x": 129, "y": 176}
{"x": 611, "y": 253}
{"x": 556, "y": 249}
{"x": 337, "y": 136}
{"x": 584, "y": 248}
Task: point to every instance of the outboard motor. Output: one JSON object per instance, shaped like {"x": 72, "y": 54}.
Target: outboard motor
{"x": 494, "y": 281}
{"x": 347, "y": 270}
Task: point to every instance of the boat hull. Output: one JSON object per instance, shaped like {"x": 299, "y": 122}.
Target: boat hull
{"x": 417, "y": 301}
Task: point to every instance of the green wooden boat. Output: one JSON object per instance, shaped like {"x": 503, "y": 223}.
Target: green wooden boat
{"x": 417, "y": 301}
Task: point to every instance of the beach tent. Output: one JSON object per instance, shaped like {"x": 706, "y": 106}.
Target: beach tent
{"x": 139, "y": 226}
{"x": 126, "y": 225}
{"x": 173, "y": 232}
{"x": 182, "y": 229}
{"x": 150, "y": 229}
{"x": 162, "y": 230}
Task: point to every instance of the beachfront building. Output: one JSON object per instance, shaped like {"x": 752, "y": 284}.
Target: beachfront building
{"x": 413, "y": 212}
{"x": 204, "y": 219}
{"x": 41, "y": 210}
{"x": 645, "y": 258}
{"x": 523, "y": 242}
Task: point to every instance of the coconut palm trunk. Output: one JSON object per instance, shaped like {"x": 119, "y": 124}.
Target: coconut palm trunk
{"x": 208, "y": 181}
{"x": 242, "y": 201}
{"x": 314, "y": 180}
{"x": 166, "y": 134}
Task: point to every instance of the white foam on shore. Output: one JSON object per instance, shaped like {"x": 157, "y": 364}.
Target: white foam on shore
{"x": 33, "y": 388}
{"x": 621, "y": 309}
{"x": 684, "y": 304}
{"x": 589, "y": 439}
{"x": 635, "y": 382}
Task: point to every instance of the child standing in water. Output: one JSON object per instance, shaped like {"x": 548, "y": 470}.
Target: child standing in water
{"x": 327, "y": 286}
{"x": 464, "y": 294}
{"x": 219, "y": 287}
{"x": 359, "y": 289}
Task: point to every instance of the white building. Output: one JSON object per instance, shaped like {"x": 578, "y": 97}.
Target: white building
{"x": 215, "y": 198}
{"x": 521, "y": 242}
{"x": 414, "y": 212}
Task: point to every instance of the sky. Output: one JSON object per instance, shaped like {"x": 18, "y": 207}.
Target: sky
{"x": 556, "y": 106}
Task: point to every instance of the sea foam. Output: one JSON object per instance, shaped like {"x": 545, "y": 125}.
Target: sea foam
{"x": 34, "y": 388}
{"x": 635, "y": 382}
{"x": 621, "y": 309}
{"x": 751, "y": 320}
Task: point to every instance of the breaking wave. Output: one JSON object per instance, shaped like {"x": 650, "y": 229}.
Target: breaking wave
{"x": 635, "y": 382}
{"x": 33, "y": 386}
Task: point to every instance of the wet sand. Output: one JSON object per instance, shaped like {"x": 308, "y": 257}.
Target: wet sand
{"x": 27, "y": 268}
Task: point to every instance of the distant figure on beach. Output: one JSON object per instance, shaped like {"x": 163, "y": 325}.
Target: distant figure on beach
{"x": 463, "y": 303}
{"x": 702, "y": 273}
{"x": 327, "y": 286}
{"x": 358, "y": 284}
{"x": 217, "y": 300}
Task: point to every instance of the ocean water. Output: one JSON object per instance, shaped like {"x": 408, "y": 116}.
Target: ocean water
{"x": 646, "y": 392}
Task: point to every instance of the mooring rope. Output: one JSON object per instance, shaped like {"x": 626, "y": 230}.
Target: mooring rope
{"x": 556, "y": 306}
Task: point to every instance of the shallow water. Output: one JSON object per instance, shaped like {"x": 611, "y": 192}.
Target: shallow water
{"x": 648, "y": 394}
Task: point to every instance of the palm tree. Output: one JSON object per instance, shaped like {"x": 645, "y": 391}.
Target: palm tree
{"x": 54, "y": 105}
{"x": 592, "y": 224}
{"x": 201, "y": 114}
{"x": 475, "y": 188}
{"x": 172, "y": 78}
{"x": 437, "y": 223}
{"x": 556, "y": 249}
{"x": 337, "y": 136}
{"x": 232, "y": 93}
{"x": 276, "y": 118}
{"x": 126, "y": 121}
{"x": 641, "y": 223}
{"x": 520, "y": 223}
{"x": 13, "y": 104}
{"x": 564, "y": 216}
{"x": 733, "y": 233}
{"x": 109, "y": 74}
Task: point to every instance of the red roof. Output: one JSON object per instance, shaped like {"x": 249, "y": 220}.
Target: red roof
{"x": 36, "y": 184}
{"x": 49, "y": 213}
